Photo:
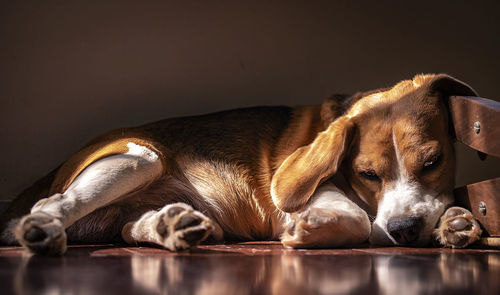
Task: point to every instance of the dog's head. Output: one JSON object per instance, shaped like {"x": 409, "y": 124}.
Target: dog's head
{"x": 395, "y": 150}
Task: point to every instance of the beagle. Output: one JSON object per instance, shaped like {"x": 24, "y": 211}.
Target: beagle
{"x": 377, "y": 166}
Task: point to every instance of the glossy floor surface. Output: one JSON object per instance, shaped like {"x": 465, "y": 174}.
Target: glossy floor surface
{"x": 250, "y": 268}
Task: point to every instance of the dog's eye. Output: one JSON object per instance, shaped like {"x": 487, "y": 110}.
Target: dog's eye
{"x": 370, "y": 175}
{"x": 432, "y": 163}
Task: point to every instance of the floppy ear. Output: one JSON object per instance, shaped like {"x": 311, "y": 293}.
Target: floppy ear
{"x": 448, "y": 86}
{"x": 299, "y": 175}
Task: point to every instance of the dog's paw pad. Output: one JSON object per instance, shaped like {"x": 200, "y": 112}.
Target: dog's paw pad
{"x": 459, "y": 224}
{"x": 457, "y": 228}
{"x": 187, "y": 220}
{"x": 182, "y": 227}
{"x": 455, "y": 211}
{"x": 41, "y": 234}
{"x": 34, "y": 235}
{"x": 456, "y": 241}
{"x": 174, "y": 211}
{"x": 194, "y": 236}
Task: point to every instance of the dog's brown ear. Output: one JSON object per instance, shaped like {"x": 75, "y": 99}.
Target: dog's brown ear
{"x": 447, "y": 85}
{"x": 300, "y": 174}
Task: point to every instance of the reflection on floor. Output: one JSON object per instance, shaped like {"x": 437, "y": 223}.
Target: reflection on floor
{"x": 250, "y": 268}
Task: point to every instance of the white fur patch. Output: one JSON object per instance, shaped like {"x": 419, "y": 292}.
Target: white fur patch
{"x": 401, "y": 170}
{"x": 344, "y": 221}
{"x": 103, "y": 182}
{"x": 408, "y": 200}
{"x": 141, "y": 151}
{"x": 329, "y": 197}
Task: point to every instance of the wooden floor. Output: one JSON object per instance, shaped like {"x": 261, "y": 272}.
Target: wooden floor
{"x": 250, "y": 268}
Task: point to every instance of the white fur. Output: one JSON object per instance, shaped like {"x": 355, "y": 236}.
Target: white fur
{"x": 408, "y": 199}
{"x": 400, "y": 168}
{"x": 339, "y": 220}
{"x": 329, "y": 197}
{"x": 142, "y": 152}
{"x": 103, "y": 182}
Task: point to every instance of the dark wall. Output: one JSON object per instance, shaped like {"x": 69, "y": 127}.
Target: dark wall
{"x": 70, "y": 70}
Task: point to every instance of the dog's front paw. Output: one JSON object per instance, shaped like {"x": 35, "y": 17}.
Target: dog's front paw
{"x": 41, "y": 234}
{"x": 181, "y": 227}
{"x": 302, "y": 229}
{"x": 457, "y": 228}
{"x": 320, "y": 228}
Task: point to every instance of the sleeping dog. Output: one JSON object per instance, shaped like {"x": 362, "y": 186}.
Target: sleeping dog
{"x": 377, "y": 166}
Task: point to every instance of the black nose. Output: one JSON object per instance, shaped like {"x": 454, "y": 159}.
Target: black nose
{"x": 404, "y": 230}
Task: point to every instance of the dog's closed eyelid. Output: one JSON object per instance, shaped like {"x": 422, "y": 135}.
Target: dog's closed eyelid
{"x": 432, "y": 163}
{"x": 370, "y": 175}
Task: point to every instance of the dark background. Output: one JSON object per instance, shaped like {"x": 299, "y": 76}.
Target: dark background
{"x": 70, "y": 70}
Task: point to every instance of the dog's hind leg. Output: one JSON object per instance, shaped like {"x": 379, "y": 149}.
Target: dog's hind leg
{"x": 176, "y": 227}
{"x": 99, "y": 184}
